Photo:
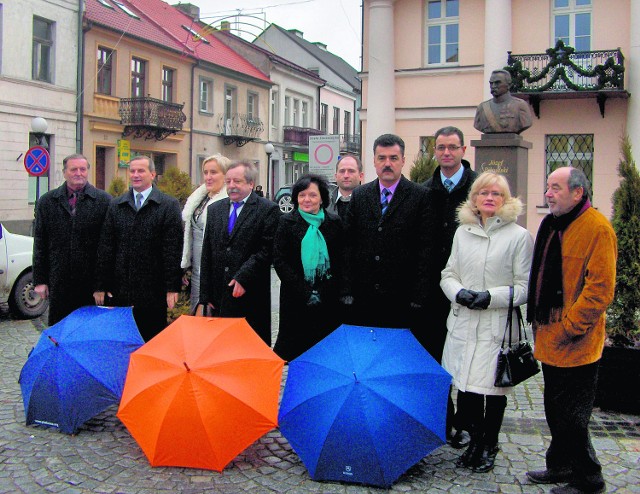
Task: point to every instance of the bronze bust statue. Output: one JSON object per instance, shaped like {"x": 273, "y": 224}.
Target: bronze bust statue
{"x": 503, "y": 113}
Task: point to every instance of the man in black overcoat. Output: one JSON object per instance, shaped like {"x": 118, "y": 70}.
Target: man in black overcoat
{"x": 446, "y": 189}
{"x": 387, "y": 245}
{"x": 140, "y": 251}
{"x": 237, "y": 252}
{"x": 67, "y": 230}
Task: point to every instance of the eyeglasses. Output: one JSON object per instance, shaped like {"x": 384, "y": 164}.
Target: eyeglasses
{"x": 235, "y": 181}
{"x": 451, "y": 147}
{"x": 492, "y": 193}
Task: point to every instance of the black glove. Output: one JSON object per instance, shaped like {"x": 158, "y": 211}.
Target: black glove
{"x": 314, "y": 299}
{"x": 346, "y": 300}
{"x": 466, "y": 297}
{"x": 481, "y": 302}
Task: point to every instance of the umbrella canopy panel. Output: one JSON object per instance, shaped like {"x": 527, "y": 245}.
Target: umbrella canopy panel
{"x": 364, "y": 404}
{"x": 201, "y": 392}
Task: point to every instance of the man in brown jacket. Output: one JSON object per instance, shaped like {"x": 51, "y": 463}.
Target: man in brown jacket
{"x": 571, "y": 284}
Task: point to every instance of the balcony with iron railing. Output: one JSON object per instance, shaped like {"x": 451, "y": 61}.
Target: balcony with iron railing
{"x": 299, "y": 136}
{"x": 150, "y": 118}
{"x": 350, "y": 143}
{"x": 563, "y": 73}
{"x": 239, "y": 128}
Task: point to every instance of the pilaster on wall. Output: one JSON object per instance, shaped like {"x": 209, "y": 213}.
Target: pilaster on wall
{"x": 497, "y": 38}
{"x": 633, "y": 82}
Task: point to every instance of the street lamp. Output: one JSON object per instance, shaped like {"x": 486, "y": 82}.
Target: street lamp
{"x": 268, "y": 148}
{"x": 39, "y": 127}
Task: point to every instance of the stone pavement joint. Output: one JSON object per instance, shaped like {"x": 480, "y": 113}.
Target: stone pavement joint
{"x": 104, "y": 458}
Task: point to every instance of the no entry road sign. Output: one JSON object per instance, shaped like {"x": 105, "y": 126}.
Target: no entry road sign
{"x": 36, "y": 161}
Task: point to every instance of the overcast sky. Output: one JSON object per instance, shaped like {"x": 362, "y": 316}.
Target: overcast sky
{"x": 336, "y": 23}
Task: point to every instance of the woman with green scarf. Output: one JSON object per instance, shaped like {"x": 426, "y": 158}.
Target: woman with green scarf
{"x": 307, "y": 257}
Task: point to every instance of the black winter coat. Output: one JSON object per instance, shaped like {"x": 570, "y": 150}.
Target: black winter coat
{"x": 65, "y": 247}
{"x": 140, "y": 251}
{"x": 301, "y": 326}
{"x": 245, "y": 256}
{"x": 387, "y": 257}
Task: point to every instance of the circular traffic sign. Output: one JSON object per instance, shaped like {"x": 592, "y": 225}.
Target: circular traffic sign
{"x": 323, "y": 154}
{"x": 36, "y": 161}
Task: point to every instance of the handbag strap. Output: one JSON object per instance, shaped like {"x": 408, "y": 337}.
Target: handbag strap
{"x": 509, "y": 324}
{"x": 522, "y": 327}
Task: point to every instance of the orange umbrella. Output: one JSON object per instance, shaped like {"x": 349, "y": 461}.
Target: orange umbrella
{"x": 200, "y": 392}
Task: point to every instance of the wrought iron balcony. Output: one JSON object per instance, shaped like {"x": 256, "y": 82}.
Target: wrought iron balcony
{"x": 561, "y": 72}
{"x": 239, "y": 128}
{"x": 350, "y": 143}
{"x": 299, "y": 136}
{"x": 150, "y": 118}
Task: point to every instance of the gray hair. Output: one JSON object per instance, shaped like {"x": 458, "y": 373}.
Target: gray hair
{"x": 577, "y": 178}
{"x": 76, "y": 156}
{"x": 250, "y": 170}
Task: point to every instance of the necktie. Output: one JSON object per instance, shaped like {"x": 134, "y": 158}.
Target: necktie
{"x": 384, "y": 200}
{"x": 73, "y": 199}
{"x": 448, "y": 184}
{"x": 234, "y": 215}
{"x": 139, "y": 200}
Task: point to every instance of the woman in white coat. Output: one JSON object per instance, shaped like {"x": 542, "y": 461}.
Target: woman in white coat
{"x": 490, "y": 254}
{"x": 194, "y": 216}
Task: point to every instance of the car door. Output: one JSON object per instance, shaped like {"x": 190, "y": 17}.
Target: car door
{"x": 4, "y": 289}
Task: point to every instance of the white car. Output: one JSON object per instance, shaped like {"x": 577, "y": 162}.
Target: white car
{"x": 16, "y": 277}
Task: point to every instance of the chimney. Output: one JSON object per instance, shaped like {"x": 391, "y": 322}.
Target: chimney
{"x": 225, "y": 26}
{"x": 191, "y": 10}
{"x": 296, "y": 32}
{"x": 320, "y": 45}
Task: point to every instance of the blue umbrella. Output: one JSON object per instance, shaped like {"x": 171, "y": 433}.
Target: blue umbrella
{"x": 78, "y": 367}
{"x": 364, "y": 404}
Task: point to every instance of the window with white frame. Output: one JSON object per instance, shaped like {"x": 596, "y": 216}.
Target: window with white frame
{"x": 252, "y": 105}
{"x": 336, "y": 120}
{"x": 230, "y": 107}
{"x": 442, "y": 31}
{"x": 105, "y": 70}
{"x": 305, "y": 114}
{"x": 168, "y": 76}
{"x": 324, "y": 109}
{"x": 574, "y": 150}
{"x": 42, "y": 61}
{"x": 275, "y": 107}
{"x": 206, "y": 96}
{"x": 287, "y": 106}
{"x": 572, "y": 23}
{"x": 138, "y": 77}
{"x": 347, "y": 124}
{"x": 296, "y": 112}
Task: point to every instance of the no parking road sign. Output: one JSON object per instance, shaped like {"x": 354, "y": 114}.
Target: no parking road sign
{"x": 36, "y": 161}
{"x": 323, "y": 155}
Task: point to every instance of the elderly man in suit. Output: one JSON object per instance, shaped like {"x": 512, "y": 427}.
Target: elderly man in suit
{"x": 140, "y": 251}
{"x": 67, "y": 230}
{"x": 237, "y": 252}
{"x": 387, "y": 245}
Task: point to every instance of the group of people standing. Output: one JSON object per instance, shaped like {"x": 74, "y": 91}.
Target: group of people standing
{"x": 445, "y": 259}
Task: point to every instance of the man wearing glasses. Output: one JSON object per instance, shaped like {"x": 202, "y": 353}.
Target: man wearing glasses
{"x": 446, "y": 190}
{"x": 237, "y": 252}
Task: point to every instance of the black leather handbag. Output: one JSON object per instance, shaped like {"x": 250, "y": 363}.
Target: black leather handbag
{"x": 516, "y": 362}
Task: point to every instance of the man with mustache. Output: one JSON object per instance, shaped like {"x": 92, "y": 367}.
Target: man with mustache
{"x": 237, "y": 252}
{"x": 387, "y": 246}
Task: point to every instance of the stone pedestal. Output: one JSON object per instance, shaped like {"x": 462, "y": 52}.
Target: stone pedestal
{"x": 507, "y": 154}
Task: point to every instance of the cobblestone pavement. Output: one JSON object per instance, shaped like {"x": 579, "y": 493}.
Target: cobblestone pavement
{"x": 104, "y": 458}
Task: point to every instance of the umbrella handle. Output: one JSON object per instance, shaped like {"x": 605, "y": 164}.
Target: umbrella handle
{"x": 53, "y": 340}
{"x": 186, "y": 367}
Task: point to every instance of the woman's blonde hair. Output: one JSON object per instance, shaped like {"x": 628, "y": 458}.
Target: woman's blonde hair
{"x": 222, "y": 161}
{"x": 487, "y": 179}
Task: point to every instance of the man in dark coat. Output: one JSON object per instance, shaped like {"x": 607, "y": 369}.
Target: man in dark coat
{"x": 140, "y": 251}
{"x": 446, "y": 189}
{"x": 387, "y": 244}
{"x": 237, "y": 252}
{"x": 67, "y": 230}
{"x": 348, "y": 176}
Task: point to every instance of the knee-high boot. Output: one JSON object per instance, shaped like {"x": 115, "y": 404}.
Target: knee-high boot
{"x": 471, "y": 406}
{"x": 494, "y": 414}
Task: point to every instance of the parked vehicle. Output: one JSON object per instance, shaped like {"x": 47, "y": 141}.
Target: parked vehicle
{"x": 16, "y": 276}
{"x": 283, "y": 196}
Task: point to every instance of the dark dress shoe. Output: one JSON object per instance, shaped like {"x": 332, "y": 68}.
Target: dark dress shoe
{"x": 578, "y": 488}
{"x": 550, "y": 476}
{"x": 485, "y": 460}
{"x": 460, "y": 439}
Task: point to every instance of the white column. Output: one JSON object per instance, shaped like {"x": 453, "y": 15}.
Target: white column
{"x": 497, "y": 38}
{"x": 632, "y": 59}
{"x": 381, "y": 80}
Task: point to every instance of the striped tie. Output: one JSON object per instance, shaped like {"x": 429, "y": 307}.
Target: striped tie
{"x": 384, "y": 200}
{"x": 448, "y": 185}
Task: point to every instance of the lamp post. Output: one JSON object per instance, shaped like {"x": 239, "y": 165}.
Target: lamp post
{"x": 268, "y": 148}
{"x": 39, "y": 127}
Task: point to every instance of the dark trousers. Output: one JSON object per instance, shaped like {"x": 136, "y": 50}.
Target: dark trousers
{"x": 150, "y": 320}
{"x": 568, "y": 402}
{"x": 481, "y": 415}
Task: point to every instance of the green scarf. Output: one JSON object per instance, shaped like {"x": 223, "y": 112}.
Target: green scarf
{"x": 313, "y": 250}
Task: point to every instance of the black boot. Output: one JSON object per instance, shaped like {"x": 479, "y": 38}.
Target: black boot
{"x": 485, "y": 458}
{"x": 475, "y": 446}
